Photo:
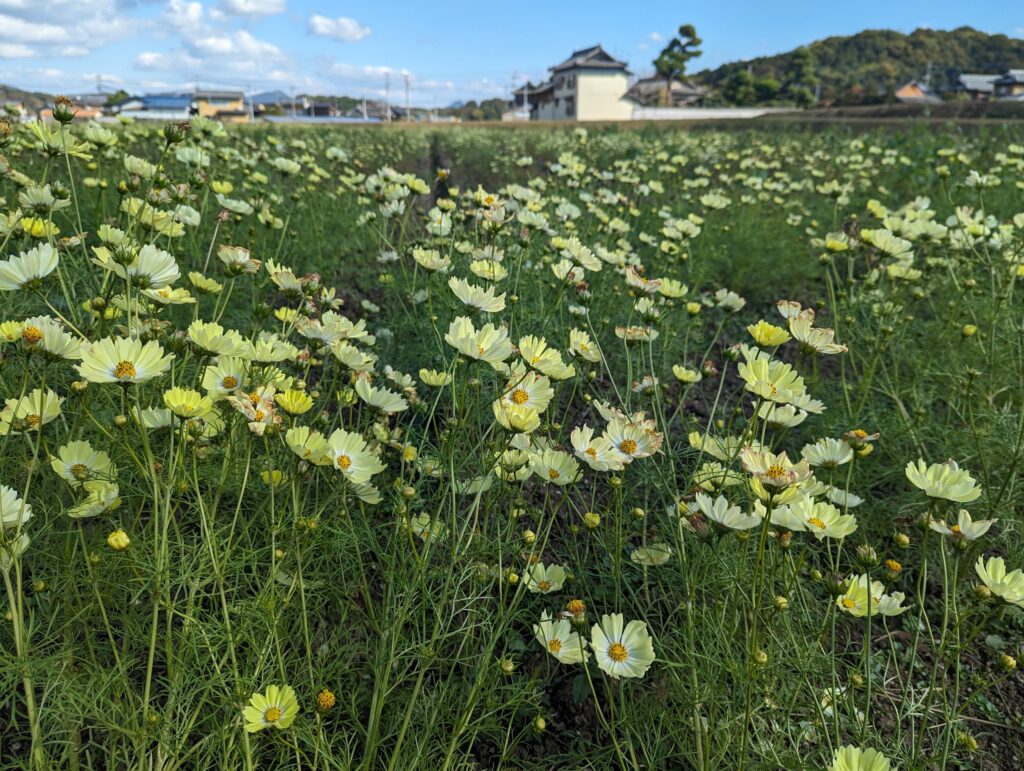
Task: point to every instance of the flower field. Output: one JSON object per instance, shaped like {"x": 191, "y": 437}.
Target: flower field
{"x": 507, "y": 448}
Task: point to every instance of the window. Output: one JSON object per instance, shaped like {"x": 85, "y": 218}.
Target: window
{"x": 570, "y": 106}
{"x": 557, "y": 101}
{"x": 572, "y": 81}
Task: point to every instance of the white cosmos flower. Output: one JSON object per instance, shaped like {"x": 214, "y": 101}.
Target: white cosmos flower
{"x": 27, "y": 269}
{"x": 621, "y": 650}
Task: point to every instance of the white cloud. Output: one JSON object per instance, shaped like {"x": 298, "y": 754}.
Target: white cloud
{"x": 74, "y": 51}
{"x": 254, "y": 7}
{"x": 241, "y": 45}
{"x": 15, "y": 51}
{"x": 19, "y": 30}
{"x": 183, "y": 15}
{"x": 655, "y": 37}
{"x": 344, "y": 29}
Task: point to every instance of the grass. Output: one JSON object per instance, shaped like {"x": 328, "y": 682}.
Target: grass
{"x": 411, "y": 601}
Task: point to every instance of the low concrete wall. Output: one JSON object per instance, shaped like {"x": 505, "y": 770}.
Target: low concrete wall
{"x": 704, "y": 113}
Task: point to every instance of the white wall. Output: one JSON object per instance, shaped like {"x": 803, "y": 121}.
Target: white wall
{"x": 599, "y": 96}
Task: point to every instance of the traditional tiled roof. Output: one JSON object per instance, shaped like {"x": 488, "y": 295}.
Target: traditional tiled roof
{"x": 594, "y": 57}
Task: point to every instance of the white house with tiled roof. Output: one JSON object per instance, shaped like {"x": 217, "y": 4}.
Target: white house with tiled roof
{"x": 590, "y": 85}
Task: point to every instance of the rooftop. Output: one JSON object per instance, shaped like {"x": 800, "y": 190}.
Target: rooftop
{"x": 594, "y": 57}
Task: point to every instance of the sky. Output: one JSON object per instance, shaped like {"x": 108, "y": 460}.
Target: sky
{"x": 448, "y": 51}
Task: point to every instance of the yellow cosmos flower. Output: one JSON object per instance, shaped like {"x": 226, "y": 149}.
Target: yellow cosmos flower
{"x": 294, "y": 402}
{"x": 276, "y": 708}
{"x": 187, "y": 403}
{"x": 767, "y": 334}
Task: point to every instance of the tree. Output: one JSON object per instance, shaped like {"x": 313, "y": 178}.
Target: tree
{"x": 671, "y": 62}
{"x": 800, "y": 77}
{"x": 740, "y": 89}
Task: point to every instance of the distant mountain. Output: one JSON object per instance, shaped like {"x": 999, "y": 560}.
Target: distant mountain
{"x": 456, "y": 105}
{"x": 869, "y": 66}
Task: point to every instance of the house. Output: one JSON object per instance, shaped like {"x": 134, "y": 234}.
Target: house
{"x": 916, "y": 92}
{"x": 322, "y": 110}
{"x": 650, "y": 92}
{"x": 590, "y": 85}
{"x": 222, "y": 105}
{"x": 278, "y": 103}
{"x": 165, "y": 107}
{"x": 978, "y": 88}
{"x": 373, "y": 109}
{"x": 519, "y": 107}
{"x": 1010, "y": 85}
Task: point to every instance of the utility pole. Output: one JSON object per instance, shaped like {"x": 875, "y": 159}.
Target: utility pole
{"x": 387, "y": 96}
{"x": 252, "y": 107}
{"x": 408, "y": 115}
{"x": 292, "y": 88}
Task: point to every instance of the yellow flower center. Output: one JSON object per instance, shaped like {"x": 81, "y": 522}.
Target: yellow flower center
{"x": 555, "y": 646}
{"x": 31, "y": 335}
{"x": 33, "y": 421}
{"x": 230, "y": 381}
{"x": 817, "y": 523}
{"x": 519, "y": 396}
{"x": 544, "y": 586}
{"x": 552, "y": 474}
{"x": 617, "y": 652}
{"x": 260, "y": 414}
{"x": 591, "y": 452}
{"x": 125, "y": 370}
{"x": 775, "y": 471}
{"x": 848, "y": 603}
{"x": 955, "y": 528}
{"x": 272, "y": 715}
{"x": 480, "y": 350}
{"x": 344, "y": 462}
{"x": 628, "y": 446}
{"x": 79, "y": 471}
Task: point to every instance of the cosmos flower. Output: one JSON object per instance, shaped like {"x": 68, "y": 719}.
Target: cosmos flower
{"x": 558, "y": 639}
{"x": 276, "y": 708}
{"x": 123, "y": 360}
{"x": 27, "y": 270}
{"x": 1006, "y": 586}
{"x": 943, "y": 480}
{"x": 621, "y": 650}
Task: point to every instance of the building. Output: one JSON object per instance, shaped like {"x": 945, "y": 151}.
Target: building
{"x": 590, "y": 85}
{"x": 1010, "y": 85}
{"x": 222, "y": 105}
{"x": 164, "y": 107}
{"x": 651, "y": 92}
{"x": 916, "y": 92}
{"x": 978, "y": 88}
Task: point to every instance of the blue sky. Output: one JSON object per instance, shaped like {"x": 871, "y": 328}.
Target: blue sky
{"x": 448, "y": 50}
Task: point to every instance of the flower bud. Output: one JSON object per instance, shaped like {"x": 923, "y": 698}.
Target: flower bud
{"x": 591, "y": 520}
{"x": 902, "y": 540}
{"x": 63, "y": 110}
{"x": 325, "y": 700}
{"x": 1007, "y": 663}
{"x": 781, "y": 603}
{"x": 529, "y": 537}
{"x": 508, "y": 666}
{"x": 969, "y": 330}
{"x": 982, "y": 592}
{"x": 118, "y": 540}
{"x": 540, "y": 724}
{"x": 866, "y": 556}
{"x": 761, "y": 658}
{"x": 120, "y": 421}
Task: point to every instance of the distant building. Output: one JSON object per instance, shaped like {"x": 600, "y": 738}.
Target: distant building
{"x": 221, "y": 105}
{"x": 1010, "y": 85}
{"x": 651, "y": 92}
{"x": 978, "y": 88}
{"x": 372, "y": 109}
{"x": 590, "y": 85}
{"x": 916, "y": 92}
{"x": 163, "y": 107}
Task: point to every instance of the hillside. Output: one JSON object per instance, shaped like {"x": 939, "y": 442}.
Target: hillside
{"x": 33, "y": 101}
{"x": 865, "y": 68}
